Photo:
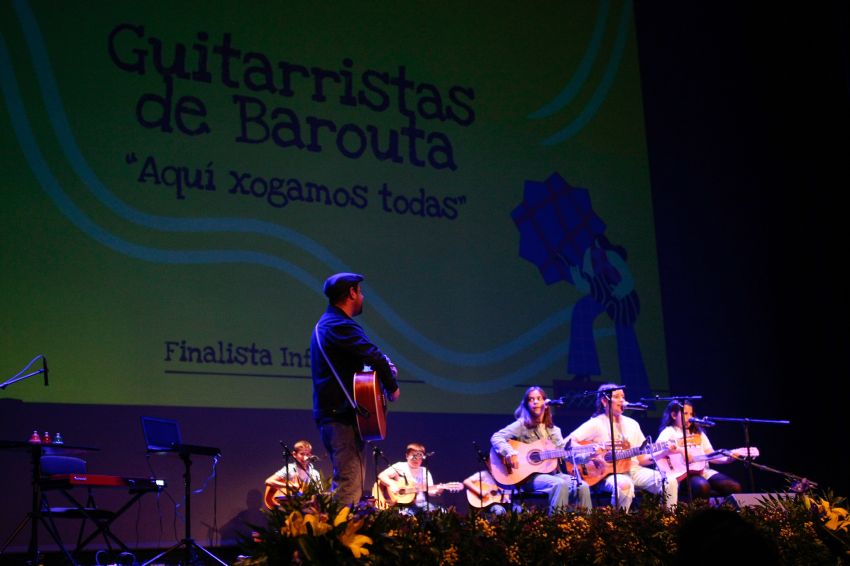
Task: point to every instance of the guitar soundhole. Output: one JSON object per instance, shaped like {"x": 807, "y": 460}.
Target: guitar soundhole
{"x": 534, "y": 457}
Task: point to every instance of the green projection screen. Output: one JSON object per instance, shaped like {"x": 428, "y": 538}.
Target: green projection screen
{"x": 180, "y": 177}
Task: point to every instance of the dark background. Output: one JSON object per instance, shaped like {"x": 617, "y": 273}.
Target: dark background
{"x": 747, "y": 123}
{"x": 747, "y": 119}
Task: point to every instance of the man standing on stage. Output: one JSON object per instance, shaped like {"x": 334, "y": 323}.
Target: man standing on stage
{"x": 339, "y": 348}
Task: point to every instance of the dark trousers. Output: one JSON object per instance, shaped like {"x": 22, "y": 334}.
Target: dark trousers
{"x": 345, "y": 447}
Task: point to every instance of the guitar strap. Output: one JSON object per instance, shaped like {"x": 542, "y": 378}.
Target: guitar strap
{"x": 359, "y": 408}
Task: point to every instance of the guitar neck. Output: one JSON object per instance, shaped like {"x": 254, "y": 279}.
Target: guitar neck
{"x": 581, "y": 453}
{"x": 636, "y": 451}
{"x": 421, "y": 487}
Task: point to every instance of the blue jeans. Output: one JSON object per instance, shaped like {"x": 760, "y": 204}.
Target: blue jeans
{"x": 345, "y": 447}
{"x": 558, "y": 488}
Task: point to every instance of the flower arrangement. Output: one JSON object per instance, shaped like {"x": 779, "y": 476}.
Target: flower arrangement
{"x": 313, "y": 529}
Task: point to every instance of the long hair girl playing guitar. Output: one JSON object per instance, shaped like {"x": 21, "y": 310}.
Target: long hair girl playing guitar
{"x": 534, "y": 424}
{"x": 702, "y": 479}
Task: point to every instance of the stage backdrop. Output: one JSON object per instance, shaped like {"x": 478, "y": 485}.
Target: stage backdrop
{"x": 178, "y": 181}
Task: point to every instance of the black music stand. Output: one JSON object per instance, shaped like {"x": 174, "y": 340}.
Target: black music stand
{"x": 188, "y": 544}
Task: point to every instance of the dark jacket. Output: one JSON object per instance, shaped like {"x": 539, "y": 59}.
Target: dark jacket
{"x": 349, "y": 349}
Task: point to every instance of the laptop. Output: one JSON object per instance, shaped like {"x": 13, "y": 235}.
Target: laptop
{"x": 163, "y": 435}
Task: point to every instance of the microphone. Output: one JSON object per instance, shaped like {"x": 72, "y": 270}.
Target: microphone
{"x": 701, "y": 422}
{"x": 312, "y": 458}
{"x": 44, "y": 368}
{"x": 635, "y": 406}
{"x": 429, "y": 454}
{"x": 285, "y": 447}
{"x": 556, "y": 402}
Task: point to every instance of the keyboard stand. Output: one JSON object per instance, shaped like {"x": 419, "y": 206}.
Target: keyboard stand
{"x": 188, "y": 544}
{"x": 37, "y": 514}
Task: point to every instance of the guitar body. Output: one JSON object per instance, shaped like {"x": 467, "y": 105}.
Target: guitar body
{"x": 273, "y": 495}
{"x": 531, "y": 460}
{"x": 594, "y": 470}
{"x": 538, "y": 457}
{"x": 369, "y": 395}
{"x": 488, "y": 494}
{"x": 400, "y": 493}
{"x": 269, "y": 497}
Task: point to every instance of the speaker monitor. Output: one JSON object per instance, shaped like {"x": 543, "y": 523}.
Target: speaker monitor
{"x": 741, "y": 500}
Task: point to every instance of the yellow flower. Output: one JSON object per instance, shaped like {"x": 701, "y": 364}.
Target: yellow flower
{"x": 317, "y": 526}
{"x": 450, "y": 556}
{"x": 294, "y": 525}
{"x": 836, "y": 517}
{"x": 342, "y": 516}
{"x": 355, "y": 542}
{"x": 513, "y": 554}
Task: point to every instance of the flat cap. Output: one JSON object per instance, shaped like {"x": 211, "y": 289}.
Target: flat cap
{"x": 338, "y": 284}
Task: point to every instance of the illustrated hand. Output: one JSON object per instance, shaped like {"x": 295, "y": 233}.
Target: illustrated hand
{"x": 578, "y": 279}
{"x": 620, "y": 290}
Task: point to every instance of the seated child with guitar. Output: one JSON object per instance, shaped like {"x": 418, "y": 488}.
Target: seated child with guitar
{"x": 408, "y": 485}
{"x": 295, "y": 477}
{"x": 700, "y": 452}
{"x": 483, "y": 492}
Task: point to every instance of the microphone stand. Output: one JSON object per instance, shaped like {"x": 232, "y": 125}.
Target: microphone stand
{"x": 287, "y": 454}
{"x": 425, "y": 478}
{"x": 746, "y": 423}
{"x": 663, "y": 476}
{"x": 482, "y": 458}
{"x": 18, "y": 377}
{"x": 575, "y": 477}
{"x": 379, "y": 494}
{"x": 607, "y": 396}
{"x": 802, "y": 484}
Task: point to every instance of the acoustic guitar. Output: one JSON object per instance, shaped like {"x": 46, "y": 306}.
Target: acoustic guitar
{"x": 371, "y": 406}
{"x": 485, "y": 494}
{"x": 539, "y": 456}
{"x": 673, "y": 464}
{"x": 400, "y": 493}
{"x": 273, "y": 495}
{"x": 593, "y": 469}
